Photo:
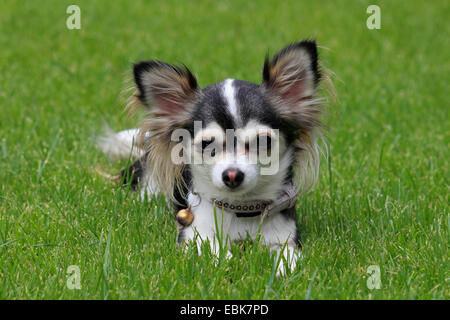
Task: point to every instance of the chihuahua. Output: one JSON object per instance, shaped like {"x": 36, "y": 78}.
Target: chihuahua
{"x": 235, "y": 154}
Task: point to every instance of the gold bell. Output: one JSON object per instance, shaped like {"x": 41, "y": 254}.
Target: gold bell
{"x": 185, "y": 217}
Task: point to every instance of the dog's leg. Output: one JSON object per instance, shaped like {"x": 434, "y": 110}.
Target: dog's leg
{"x": 291, "y": 253}
{"x": 279, "y": 232}
{"x": 193, "y": 233}
{"x": 206, "y": 227}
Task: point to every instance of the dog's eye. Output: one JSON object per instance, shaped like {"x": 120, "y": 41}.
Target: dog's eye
{"x": 264, "y": 142}
{"x": 204, "y": 145}
{"x": 206, "y": 142}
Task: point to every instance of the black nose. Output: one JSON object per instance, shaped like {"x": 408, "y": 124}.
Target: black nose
{"x": 233, "y": 178}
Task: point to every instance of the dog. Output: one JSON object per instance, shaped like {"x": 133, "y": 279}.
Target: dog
{"x": 228, "y": 195}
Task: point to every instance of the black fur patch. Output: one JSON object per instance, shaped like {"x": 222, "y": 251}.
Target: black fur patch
{"x": 182, "y": 202}
{"x": 290, "y": 215}
{"x": 133, "y": 174}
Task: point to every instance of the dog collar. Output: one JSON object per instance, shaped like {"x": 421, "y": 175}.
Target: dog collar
{"x": 246, "y": 209}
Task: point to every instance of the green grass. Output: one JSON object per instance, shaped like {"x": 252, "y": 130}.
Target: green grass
{"x": 381, "y": 200}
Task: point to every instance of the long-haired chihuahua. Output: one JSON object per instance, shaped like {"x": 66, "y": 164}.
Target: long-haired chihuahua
{"x": 232, "y": 157}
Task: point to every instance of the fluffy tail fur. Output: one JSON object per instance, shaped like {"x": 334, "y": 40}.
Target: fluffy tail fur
{"x": 119, "y": 145}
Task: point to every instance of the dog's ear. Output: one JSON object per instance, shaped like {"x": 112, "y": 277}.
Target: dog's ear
{"x": 170, "y": 94}
{"x": 290, "y": 80}
{"x": 168, "y": 90}
{"x": 293, "y": 74}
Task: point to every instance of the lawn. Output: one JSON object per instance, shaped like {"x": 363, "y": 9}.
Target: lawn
{"x": 382, "y": 198}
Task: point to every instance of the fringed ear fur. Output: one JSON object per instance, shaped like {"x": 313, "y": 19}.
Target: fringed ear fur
{"x": 290, "y": 81}
{"x": 169, "y": 94}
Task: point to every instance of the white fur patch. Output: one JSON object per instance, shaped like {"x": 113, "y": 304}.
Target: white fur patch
{"x": 229, "y": 94}
{"x": 276, "y": 231}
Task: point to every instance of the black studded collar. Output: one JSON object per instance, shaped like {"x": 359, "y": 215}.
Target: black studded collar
{"x": 246, "y": 209}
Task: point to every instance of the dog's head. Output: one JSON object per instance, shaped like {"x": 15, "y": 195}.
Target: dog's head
{"x": 239, "y": 140}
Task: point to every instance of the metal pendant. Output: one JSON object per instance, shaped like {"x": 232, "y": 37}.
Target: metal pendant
{"x": 185, "y": 217}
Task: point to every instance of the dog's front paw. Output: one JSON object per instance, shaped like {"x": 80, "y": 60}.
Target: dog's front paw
{"x": 228, "y": 256}
{"x": 217, "y": 253}
{"x": 288, "y": 259}
{"x": 283, "y": 267}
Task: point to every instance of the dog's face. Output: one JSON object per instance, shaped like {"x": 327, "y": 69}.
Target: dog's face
{"x": 238, "y": 143}
{"x": 244, "y": 138}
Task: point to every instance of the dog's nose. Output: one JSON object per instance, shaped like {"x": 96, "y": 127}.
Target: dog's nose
{"x": 233, "y": 178}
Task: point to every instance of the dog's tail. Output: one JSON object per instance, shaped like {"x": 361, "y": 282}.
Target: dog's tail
{"x": 119, "y": 145}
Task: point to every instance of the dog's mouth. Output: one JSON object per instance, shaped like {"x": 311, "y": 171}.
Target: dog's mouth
{"x": 240, "y": 193}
